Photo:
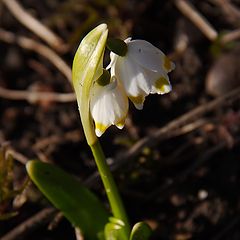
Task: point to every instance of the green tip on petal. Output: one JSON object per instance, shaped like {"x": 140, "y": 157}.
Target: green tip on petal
{"x": 117, "y": 46}
{"x": 163, "y": 86}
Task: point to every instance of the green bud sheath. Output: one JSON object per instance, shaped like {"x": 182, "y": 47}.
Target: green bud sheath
{"x": 87, "y": 67}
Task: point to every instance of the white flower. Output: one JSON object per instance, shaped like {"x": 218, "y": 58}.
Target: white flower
{"x": 108, "y": 106}
{"x": 143, "y": 70}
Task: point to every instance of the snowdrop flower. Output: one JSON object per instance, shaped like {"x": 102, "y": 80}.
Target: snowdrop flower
{"x": 142, "y": 70}
{"x": 137, "y": 70}
{"x": 108, "y": 105}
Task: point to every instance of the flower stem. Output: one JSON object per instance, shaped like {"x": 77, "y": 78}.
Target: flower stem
{"x": 114, "y": 198}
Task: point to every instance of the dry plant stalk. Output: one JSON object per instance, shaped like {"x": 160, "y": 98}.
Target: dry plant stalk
{"x": 188, "y": 10}
{"x": 39, "y": 48}
{"x": 32, "y": 223}
{"x": 200, "y": 21}
{"x": 35, "y": 25}
{"x": 166, "y": 131}
{"x": 34, "y": 96}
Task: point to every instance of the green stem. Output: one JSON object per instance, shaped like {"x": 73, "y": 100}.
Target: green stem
{"x": 110, "y": 186}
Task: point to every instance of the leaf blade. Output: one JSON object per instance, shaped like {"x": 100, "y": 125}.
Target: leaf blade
{"x": 80, "y": 206}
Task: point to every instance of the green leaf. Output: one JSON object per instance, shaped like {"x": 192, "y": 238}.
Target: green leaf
{"x": 140, "y": 231}
{"x": 80, "y": 206}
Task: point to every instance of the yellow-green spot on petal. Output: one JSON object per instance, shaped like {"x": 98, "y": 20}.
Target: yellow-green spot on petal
{"x": 137, "y": 99}
{"x": 100, "y": 129}
{"x": 121, "y": 123}
{"x": 162, "y": 85}
{"x": 167, "y": 64}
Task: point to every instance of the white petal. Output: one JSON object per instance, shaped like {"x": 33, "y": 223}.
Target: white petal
{"x": 113, "y": 58}
{"x": 134, "y": 79}
{"x": 158, "y": 81}
{"x": 142, "y": 71}
{"x": 150, "y": 57}
{"x": 139, "y": 81}
{"x": 128, "y": 40}
{"x": 109, "y": 106}
{"x": 133, "y": 76}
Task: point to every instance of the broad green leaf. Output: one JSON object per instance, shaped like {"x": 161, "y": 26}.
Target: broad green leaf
{"x": 80, "y": 206}
{"x": 140, "y": 231}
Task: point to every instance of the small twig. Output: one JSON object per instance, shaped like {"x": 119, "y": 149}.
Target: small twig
{"x": 34, "y": 25}
{"x": 166, "y": 131}
{"x": 30, "y": 224}
{"x": 231, "y": 12}
{"x": 188, "y": 128}
{"x": 231, "y": 36}
{"x": 33, "y": 96}
{"x": 206, "y": 28}
{"x": 78, "y": 234}
{"x": 56, "y": 139}
{"x": 39, "y": 48}
{"x": 55, "y": 221}
{"x": 163, "y": 132}
{"x": 41, "y": 156}
{"x": 191, "y": 12}
{"x": 18, "y": 156}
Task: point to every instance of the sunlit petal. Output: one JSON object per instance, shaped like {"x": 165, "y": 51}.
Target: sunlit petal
{"x": 132, "y": 77}
{"x": 161, "y": 85}
{"x": 109, "y": 106}
{"x": 138, "y": 80}
{"x": 150, "y": 57}
{"x": 113, "y": 58}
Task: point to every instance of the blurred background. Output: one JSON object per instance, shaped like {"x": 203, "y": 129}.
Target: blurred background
{"x": 176, "y": 162}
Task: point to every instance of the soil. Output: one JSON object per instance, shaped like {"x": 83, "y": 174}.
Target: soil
{"x": 185, "y": 185}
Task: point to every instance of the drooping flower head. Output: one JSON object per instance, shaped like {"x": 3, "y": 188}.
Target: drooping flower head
{"x": 143, "y": 70}
{"x": 140, "y": 71}
{"x": 137, "y": 69}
